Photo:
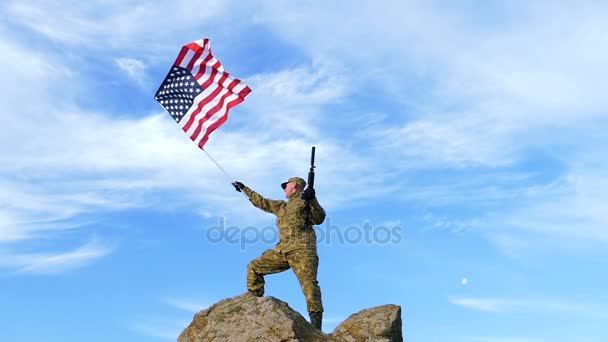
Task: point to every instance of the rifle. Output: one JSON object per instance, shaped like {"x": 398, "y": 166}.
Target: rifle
{"x": 311, "y": 185}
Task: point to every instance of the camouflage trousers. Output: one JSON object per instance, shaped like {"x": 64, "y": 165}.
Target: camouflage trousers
{"x": 304, "y": 264}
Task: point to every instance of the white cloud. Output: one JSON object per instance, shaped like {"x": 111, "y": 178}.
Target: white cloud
{"x": 114, "y": 24}
{"x": 478, "y": 92}
{"x": 449, "y": 141}
{"x": 52, "y": 263}
{"x": 582, "y": 206}
{"x": 33, "y": 66}
{"x": 185, "y": 304}
{"x": 488, "y": 305}
{"x": 133, "y": 67}
{"x": 568, "y": 214}
{"x": 30, "y": 211}
{"x": 504, "y": 305}
{"x": 292, "y": 100}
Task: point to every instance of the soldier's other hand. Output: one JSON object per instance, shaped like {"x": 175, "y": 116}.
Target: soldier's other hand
{"x": 238, "y": 186}
{"x": 308, "y": 194}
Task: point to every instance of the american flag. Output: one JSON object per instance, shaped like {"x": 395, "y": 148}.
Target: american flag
{"x": 198, "y": 92}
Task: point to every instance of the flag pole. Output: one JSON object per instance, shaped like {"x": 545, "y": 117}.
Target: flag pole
{"x": 230, "y": 179}
{"x": 218, "y": 166}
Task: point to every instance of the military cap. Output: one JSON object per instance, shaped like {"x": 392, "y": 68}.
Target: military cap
{"x": 301, "y": 183}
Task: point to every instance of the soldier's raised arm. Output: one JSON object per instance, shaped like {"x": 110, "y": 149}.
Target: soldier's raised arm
{"x": 317, "y": 213}
{"x": 268, "y": 205}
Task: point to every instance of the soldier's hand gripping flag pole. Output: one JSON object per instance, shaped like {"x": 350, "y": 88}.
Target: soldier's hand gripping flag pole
{"x": 198, "y": 93}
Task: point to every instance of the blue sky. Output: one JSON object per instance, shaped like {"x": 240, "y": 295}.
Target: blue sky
{"x": 475, "y": 128}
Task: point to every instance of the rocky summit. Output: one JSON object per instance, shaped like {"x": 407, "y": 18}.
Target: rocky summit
{"x": 249, "y": 318}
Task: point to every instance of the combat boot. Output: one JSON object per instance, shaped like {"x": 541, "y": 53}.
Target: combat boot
{"x": 316, "y": 319}
{"x": 256, "y": 293}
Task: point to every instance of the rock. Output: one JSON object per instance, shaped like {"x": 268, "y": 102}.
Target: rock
{"x": 248, "y": 318}
{"x": 379, "y": 324}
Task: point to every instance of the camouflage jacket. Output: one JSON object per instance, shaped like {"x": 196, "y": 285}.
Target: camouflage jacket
{"x": 290, "y": 220}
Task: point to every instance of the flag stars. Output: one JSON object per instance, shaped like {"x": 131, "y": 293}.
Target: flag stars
{"x": 177, "y": 92}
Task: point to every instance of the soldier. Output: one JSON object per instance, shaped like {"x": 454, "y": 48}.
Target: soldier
{"x": 297, "y": 247}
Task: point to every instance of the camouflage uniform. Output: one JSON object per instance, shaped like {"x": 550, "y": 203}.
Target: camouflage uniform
{"x": 297, "y": 247}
